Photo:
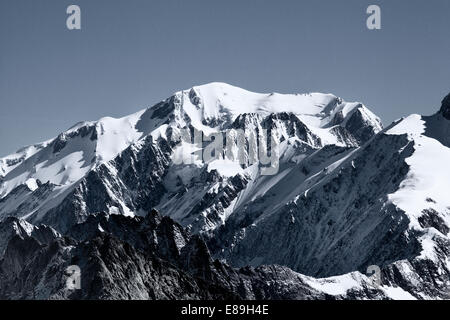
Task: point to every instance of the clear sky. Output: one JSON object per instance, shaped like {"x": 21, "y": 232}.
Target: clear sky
{"x": 132, "y": 53}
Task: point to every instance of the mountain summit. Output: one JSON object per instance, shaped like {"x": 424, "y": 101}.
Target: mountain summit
{"x": 38, "y": 181}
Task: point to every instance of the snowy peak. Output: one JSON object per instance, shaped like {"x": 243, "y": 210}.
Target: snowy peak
{"x": 10, "y": 162}
{"x": 214, "y": 97}
{"x": 423, "y": 194}
{"x": 67, "y": 158}
{"x": 216, "y": 107}
{"x": 38, "y": 179}
{"x": 223, "y": 101}
{"x": 204, "y": 107}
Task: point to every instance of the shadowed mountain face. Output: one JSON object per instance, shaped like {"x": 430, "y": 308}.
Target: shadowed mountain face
{"x": 131, "y": 258}
{"x": 149, "y": 257}
{"x": 345, "y": 195}
{"x": 445, "y": 109}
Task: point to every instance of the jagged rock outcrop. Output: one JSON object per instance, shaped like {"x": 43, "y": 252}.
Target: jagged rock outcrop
{"x": 119, "y": 258}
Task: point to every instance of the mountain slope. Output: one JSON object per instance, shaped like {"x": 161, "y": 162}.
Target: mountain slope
{"x": 385, "y": 203}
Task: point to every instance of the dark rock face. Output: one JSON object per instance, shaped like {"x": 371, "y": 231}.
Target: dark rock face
{"x": 130, "y": 180}
{"x": 153, "y": 257}
{"x": 295, "y": 127}
{"x": 148, "y": 257}
{"x": 431, "y": 219}
{"x": 14, "y": 228}
{"x": 357, "y": 125}
{"x": 445, "y": 108}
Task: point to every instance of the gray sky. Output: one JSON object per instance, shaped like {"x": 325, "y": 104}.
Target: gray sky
{"x": 131, "y": 54}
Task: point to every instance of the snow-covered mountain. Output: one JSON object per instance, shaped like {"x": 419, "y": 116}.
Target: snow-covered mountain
{"x": 124, "y": 165}
{"x": 346, "y": 193}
